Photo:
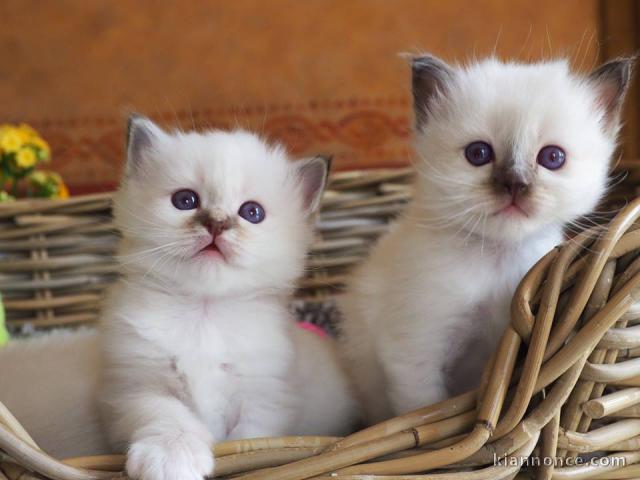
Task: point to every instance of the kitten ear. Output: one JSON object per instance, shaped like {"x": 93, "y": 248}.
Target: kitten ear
{"x": 611, "y": 81}
{"x": 142, "y": 134}
{"x": 313, "y": 174}
{"x": 430, "y": 78}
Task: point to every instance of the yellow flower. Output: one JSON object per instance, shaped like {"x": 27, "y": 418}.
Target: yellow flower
{"x": 48, "y": 184}
{"x": 44, "y": 152}
{"x": 10, "y": 141}
{"x": 28, "y": 130}
{"x": 24, "y": 136}
{"x": 63, "y": 191}
{"x": 40, "y": 143}
{"x": 28, "y": 134}
{"x": 26, "y": 157}
{"x": 39, "y": 177}
{"x": 55, "y": 177}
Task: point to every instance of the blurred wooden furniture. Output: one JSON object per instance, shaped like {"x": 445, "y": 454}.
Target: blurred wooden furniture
{"x": 620, "y": 35}
{"x": 319, "y": 75}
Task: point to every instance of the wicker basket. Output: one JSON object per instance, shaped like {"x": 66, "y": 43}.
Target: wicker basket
{"x": 564, "y": 381}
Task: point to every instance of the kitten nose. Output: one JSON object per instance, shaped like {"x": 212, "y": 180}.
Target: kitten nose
{"x": 515, "y": 188}
{"x": 506, "y": 179}
{"x": 216, "y": 227}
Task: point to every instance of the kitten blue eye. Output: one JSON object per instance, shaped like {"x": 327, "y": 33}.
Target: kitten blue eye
{"x": 551, "y": 157}
{"x": 185, "y": 200}
{"x": 478, "y": 153}
{"x": 252, "y": 212}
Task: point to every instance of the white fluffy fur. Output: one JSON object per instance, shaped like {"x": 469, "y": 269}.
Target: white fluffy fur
{"x": 424, "y": 312}
{"x": 49, "y": 384}
{"x": 199, "y": 350}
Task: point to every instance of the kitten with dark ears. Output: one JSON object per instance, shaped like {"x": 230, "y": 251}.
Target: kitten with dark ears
{"x": 199, "y": 345}
{"x": 506, "y": 155}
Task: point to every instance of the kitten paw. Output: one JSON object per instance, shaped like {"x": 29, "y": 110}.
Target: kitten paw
{"x": 183, "y": 457}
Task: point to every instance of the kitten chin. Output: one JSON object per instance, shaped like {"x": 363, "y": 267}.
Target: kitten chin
{"x": 198, "y": 342}
{"x": 506, "y": 156}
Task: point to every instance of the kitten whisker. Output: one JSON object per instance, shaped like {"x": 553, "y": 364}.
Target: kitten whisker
{"x": 136, "y": 256}
{"x": 616, "y": 180}
{"x": 436, "y": 174}
{"x": 483, "y": 236}
{"x": 439, "y": 222}
{"x": 472, "y": 230}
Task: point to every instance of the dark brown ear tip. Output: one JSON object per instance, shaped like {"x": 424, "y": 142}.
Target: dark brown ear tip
{"x": 134, "y": 117}
{"x": 629, "y": 60}
{"x": 420, "y": 63}
{"x": 625, "y": 65}
{"x": 131, "y": 119}
{"x": 141, "y": 133}
{"x": 620, "y": 67}
{"x": 328, "y": 161}
{"x": 630, "y": 65}
{"x": 421, "y": 60}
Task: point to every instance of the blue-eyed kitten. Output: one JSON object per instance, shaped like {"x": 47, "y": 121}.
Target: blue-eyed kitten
{"x": 199, "y": 345}
{"x": 506, "y": 155}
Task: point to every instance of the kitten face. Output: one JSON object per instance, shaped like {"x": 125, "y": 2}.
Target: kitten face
{"x": 505, "y": 150}
{"x": 215, "y": 213}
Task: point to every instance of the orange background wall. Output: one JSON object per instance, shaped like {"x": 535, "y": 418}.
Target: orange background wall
{"x": 320, "y": 75}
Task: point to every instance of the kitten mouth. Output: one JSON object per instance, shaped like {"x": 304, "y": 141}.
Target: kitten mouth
{"x": 212, "y": 250}
{"x": 512, "y": 209}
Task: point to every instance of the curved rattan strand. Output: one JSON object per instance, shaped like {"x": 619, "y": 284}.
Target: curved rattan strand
{"x": 576, "y": 315}
{"x": 495, "y": 472}
{"x": 598, "y": 256}
{"x": 600, "y": 438}
{"x": 588, "y": 471}
{"x": 549, "y": 447}
{"x": 11, "y": 423}
{"x": 540, "y": 335}
{"x": 38, "y": 461}
{"x": 582, "y": 391}
{"x": 611, "y": 355}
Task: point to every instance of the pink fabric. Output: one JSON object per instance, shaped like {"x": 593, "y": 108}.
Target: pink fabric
{"x": 313, "y": 328}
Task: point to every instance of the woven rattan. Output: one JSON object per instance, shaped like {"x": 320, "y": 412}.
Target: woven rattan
{"x": 563, "y": 383}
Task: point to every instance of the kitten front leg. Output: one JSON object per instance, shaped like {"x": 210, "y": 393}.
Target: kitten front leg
{"x": 369, "y": 381}
{"x": 167, "y": 440}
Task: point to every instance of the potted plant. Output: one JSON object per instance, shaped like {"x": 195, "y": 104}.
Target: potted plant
{"x": 22, "y": 152}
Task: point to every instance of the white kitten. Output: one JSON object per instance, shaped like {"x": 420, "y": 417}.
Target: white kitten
{"x": 199, "y": 345}
{"x": 507, "y": 154}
